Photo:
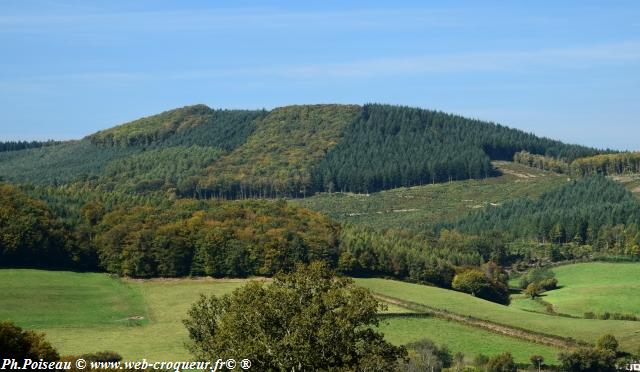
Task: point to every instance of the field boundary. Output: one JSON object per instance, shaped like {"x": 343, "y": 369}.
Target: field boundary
{"x": 515, "y": 332}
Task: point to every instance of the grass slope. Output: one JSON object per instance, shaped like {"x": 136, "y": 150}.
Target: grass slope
{"x": 84, "y": 313}
{"x": 163, "y": 338}
{"x": 627, "y": 332}
{"x": 460, "y": 338}
{"x": 598, "y": 287}
{"x": 51, "y": 299}
{"x": 417, "y": 207}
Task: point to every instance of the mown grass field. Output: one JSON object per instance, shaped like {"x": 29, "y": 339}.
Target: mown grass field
{"x": 588, "y": 330}
{"x": 598, "y": 287}
{"x": 83, "y": 313}
{"x": 420, "y": 206}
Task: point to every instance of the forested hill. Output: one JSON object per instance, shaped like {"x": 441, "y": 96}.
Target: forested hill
{"x": 197, "y": 151}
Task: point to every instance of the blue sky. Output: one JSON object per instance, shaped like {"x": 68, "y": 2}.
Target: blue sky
{"x": 564, "y": 69}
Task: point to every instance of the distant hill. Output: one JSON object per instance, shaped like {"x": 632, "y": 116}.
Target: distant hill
{"x": 293, "y": 151}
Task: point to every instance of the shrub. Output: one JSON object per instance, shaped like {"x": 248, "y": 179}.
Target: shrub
{"x": 604, "y": 316}
{"x": 607, "y": 342}
{"x": 480, "y": 360}
{"x": 102, "y": 356}
{"x": 549, "y": 284}
{"x": 533, "y": 290}
{"x": 20, "y": 344}
{"x": 589, "y": 315}
{"x": 588, "y": 360}
{"x": 501, "y": 363}
{"x": 427, "y": 356}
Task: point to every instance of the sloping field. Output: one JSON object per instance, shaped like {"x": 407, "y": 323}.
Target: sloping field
{"x": 83, "y": 313}
{"x": 53, "y": 299}
{"x": 470, "y": 341}
{"x": 417, "y": 207}
{"x": 587, "y": 330}
{"x": 598, "y": 287}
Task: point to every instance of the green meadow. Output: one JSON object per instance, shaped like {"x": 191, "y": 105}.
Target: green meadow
{"x": 470, "y": 341}
{"x": 596, "y": 287}
{"x": 588, "y": 330}
{"x": 88, "y": 312}
{"x": 83, "y": 313}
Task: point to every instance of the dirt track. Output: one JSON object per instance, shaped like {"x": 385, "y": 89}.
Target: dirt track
{"x": 506, "y": 330}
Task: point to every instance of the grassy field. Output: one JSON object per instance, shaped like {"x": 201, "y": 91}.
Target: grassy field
{"x": 595, "y": 286}
{"x": 44, "y": 299}
{"x": 83, "y": 313}
{"x": 460, "y": 338}
{"x": 627, "y": 332}
{"x": 417, "y": 207}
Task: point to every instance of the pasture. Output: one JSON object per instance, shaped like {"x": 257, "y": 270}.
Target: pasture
{"x": 88, "y": 312}
{"x": 470, "y": 341}
{"x": 83, "y": 313}
{"x": 588, "y": 330}
{"x": 597, "y": 287}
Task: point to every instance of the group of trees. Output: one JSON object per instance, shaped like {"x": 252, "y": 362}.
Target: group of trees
{"x": 447, "y": 260}
{"x": 196, "y": 135}
{"x": 488, "y": 282}
{"x": 602, "y": 164}
{"x": 541, "y": 162}
{"x": 607, "y": 164}
{"x": 594, "y": 211}
{"x": 213, "y": 238}
{"x": 23, "y": 145}
{"x": 169, "y": 238}
{"x": 29, "y": 234}
{"x": 538, "y": 280}
{"x": 604, "y": 357}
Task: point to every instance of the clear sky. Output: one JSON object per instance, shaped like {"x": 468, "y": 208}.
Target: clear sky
{"x": 564, "y": 69}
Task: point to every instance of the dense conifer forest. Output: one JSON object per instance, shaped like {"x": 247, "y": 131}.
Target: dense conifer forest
{"x": 392, "y": 146}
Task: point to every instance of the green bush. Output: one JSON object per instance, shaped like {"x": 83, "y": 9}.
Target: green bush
{"x": 590, "y": 315}
{"x": 501, "y": 363}
{"x": 21, "y": 344}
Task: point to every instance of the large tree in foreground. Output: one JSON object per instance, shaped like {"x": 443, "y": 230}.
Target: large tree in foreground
{"x": 306, "y": 320}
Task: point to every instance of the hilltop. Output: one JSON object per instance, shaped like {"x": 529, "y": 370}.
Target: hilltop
{"x": 292, "y": 151}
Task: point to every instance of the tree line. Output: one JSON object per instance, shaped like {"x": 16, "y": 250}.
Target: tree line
{"x": 603, "y": 164}
{"x": 23, "y": 145}
{"x": 174, "y": 238}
